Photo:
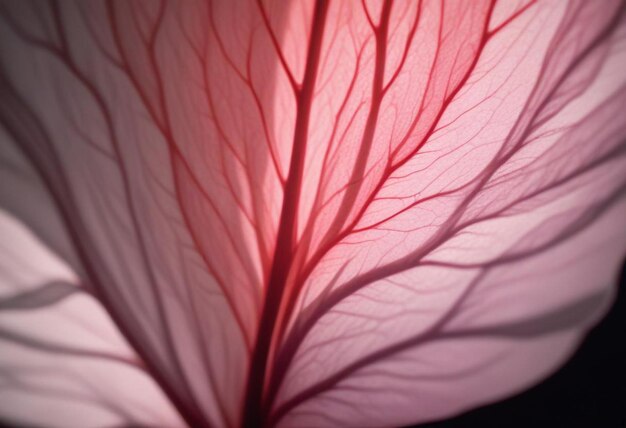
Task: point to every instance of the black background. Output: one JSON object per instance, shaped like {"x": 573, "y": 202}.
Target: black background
{"x": 589, "y": 391}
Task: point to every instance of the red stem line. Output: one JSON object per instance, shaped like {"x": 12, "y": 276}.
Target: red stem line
{"x": 254, "y": 414}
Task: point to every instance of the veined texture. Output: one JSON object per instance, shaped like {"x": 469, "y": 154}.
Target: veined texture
{"x": 302, "y": 213}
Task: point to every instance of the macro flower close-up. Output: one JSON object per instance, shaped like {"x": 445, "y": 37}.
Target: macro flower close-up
{"x": 302, "y": 213}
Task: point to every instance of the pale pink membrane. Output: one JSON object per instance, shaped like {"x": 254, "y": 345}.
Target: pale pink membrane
{"x": 63, "y": 362}
{"x": 454, "y": 224}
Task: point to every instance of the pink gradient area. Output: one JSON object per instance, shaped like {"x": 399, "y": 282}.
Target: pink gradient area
{"x": 63, "y": 362}
{"x": 312, "y": 213}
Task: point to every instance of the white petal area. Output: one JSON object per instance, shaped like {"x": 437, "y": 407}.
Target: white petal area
{"x": 63, "y": 361}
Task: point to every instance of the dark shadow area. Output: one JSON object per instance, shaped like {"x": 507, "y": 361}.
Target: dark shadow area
{"x": 589, "y": 391}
